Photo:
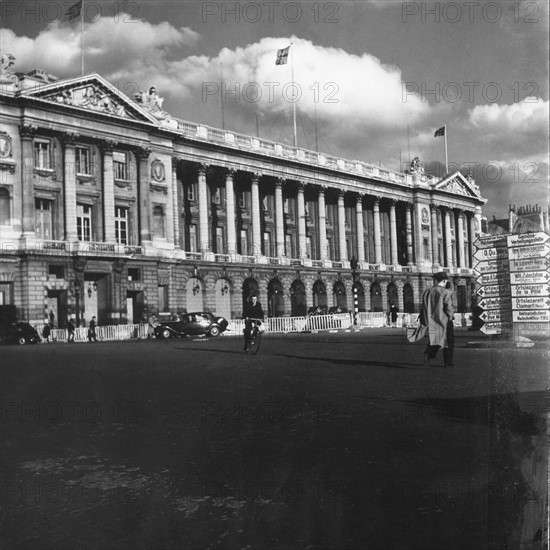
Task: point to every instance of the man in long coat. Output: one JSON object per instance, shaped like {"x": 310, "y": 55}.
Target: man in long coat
{"x": 437, "y": 314}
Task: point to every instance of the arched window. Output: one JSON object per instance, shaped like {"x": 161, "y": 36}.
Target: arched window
{"x": 158, "y": 222}
{"x": 5, "y": 210}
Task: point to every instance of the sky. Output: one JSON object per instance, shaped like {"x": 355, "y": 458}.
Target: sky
{"x": 373, "y": 79}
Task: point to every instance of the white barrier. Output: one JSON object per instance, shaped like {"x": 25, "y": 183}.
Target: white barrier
{"x": 371, "y": 319}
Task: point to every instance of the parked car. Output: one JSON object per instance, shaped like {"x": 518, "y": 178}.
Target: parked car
{"x": 18, "y": 333}
{"x": 191, "y": 324}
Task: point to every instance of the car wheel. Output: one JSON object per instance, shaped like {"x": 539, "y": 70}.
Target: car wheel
{"x": 215, "y": 331}
{"x": 21, "y": 340}
{"x": 166, "y": 333}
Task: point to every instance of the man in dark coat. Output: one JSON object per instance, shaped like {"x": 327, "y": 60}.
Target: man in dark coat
{"x": 70, "y": 331}
{"x": 92, "y": 336}
{"x": 437, "y": 314}
{"x": 252, "y": 310}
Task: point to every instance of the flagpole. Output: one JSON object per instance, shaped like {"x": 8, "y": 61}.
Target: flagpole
{"x": 222, "y": 95}
{"x": 446, "y": 156}
{"x": 82, "y": 39}
{"x": 294, "y": 102}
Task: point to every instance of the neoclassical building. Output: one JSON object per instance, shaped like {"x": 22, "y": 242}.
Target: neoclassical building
{"x": 111, "y": 207}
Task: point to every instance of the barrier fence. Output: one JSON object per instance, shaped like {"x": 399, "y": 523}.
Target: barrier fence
{"x": 335, "y": 321}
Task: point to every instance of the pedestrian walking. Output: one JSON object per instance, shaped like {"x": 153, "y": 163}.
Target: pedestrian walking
{"x": 46, "y": 332}
{"x": 437, "y": 315}
{"x": 52, "y": 319}
{"x": 92, "y": 337}
{"x": 70, "y": 331}
{"x": 393, "y": 315}
{"x": 152, "y": 323}
{"x": 252, "y": 310}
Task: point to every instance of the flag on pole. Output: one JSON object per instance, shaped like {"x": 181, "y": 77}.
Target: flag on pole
{"x": 282, "y": 56}
{"x": 74, "y": 11}
{"x": 440, "y": 132}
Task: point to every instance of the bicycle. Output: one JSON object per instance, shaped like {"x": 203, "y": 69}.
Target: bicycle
{"x": 256, "y": 336}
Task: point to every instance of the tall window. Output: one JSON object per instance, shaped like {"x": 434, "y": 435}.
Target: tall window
{"x": 309, "y": 247}
{"x": 216, "y": 196}
{"x": 120, "y": 166}
{"x": 84, "y": 222}
{"x": 158, "y": 222}
{"x": 220, "y": 248}
{"x": 5, "y": 210}
{"x": 267, "y": 244}
{"x": 163, "y": 298}
{"x": 42, "y": 154}
{"x": 191, "y": 192}
{"x": 330, "y": 249}
{"x": 244, "y": 242}
{"x": 192, "y": 238}
{"x": 83, "y": 160}
{"x": 242, "y": 199}
{"x": 121, "y": 225}
{"x": 43, "y": 219}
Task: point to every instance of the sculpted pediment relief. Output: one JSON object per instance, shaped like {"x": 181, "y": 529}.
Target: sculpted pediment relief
{"x": 93, "y": 93}
{"x": 459, "y": 184}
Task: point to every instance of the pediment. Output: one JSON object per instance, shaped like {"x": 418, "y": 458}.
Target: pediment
{"x": 92, "y": 93}
{"x": 458, "y": 184}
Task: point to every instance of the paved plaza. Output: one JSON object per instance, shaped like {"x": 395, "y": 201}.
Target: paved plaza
{"x": 321, "y": 442}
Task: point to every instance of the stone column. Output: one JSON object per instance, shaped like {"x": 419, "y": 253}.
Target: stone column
{"x": 69, "y": 185}
{"x": 323, "y": 250}
{"x": 26, "y": 133}
{"x": 473, "y": 237}
{"x": 409, "y": 232}
{"x": 256, "y": 223}
{"x": 448, "y": 240}
{"x": 279, "y": 219}
{"x": 204, "y": 245}
{"x": 360, "y": 230}
{"x": 460, "y": 239}
{"x": 393, "y": 234}
{"x": 108, "y": 192}
{"x": 377, "y": 241}
{"x": 302, "y": 253}
{"x": 230, "y": 212}
{"x": 144, "y": 195}
{"x": 435, "y": 236}
{"x": 176, "y": 204}
{"x": 342, "y": 228}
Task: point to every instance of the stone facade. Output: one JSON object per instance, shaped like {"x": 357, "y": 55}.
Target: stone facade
{"x": 109, "y": 209}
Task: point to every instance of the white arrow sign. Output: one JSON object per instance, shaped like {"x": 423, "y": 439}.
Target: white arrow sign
{"x": 535, "y": 251}
{"x": 496, "y": 315}
{"x": 523, "y": 239}
{"x": 529, "y": 277}
{"x": 498, "y": 278}
{"x": 530, "y": 264}
{"x": 492, "y": 291}
{"x": 491, "y": 253}
{"x": 490, "y": 266}
{"x": 534, "y": 316}
{"x": 491, "y": 241}
{"x": 494, "y": 303}
{"x": 531, "y": 290}
{"x": 492, "y": 328}
{"x": 531, "y": 302}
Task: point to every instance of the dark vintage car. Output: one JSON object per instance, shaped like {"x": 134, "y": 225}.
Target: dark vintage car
{"x": 191, "y": 324}
{"x": 18, "y": 333}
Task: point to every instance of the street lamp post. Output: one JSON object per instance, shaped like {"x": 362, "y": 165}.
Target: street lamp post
{"x": 353, "y": 264}
{"x": 77, "y": 300}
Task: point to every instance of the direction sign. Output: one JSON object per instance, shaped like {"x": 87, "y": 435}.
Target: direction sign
{"x": 532, "y": 316}
{"x": 525, "y": 239}
{"x": 490, "y": 266}
{"x": 531, "y": 302}
{"x": 496, "y": 315}
{"x": 536, "y": 250}
{"x": 530, "y": 264}
{"x": 529, "y": 277}
{"x": 492, "y": 328}
{"x": 500, "y": 277}
{"x": 491, "y": 291}
{"x": 541, "y": 289}
{"x": 495, "y": 303}
{"x": 491, "y": 241}
{"x": 491, "y": 253}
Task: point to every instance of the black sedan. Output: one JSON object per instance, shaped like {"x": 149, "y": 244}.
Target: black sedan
{"x": 191, "y": 324}
{"x": 18, "y": 333}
